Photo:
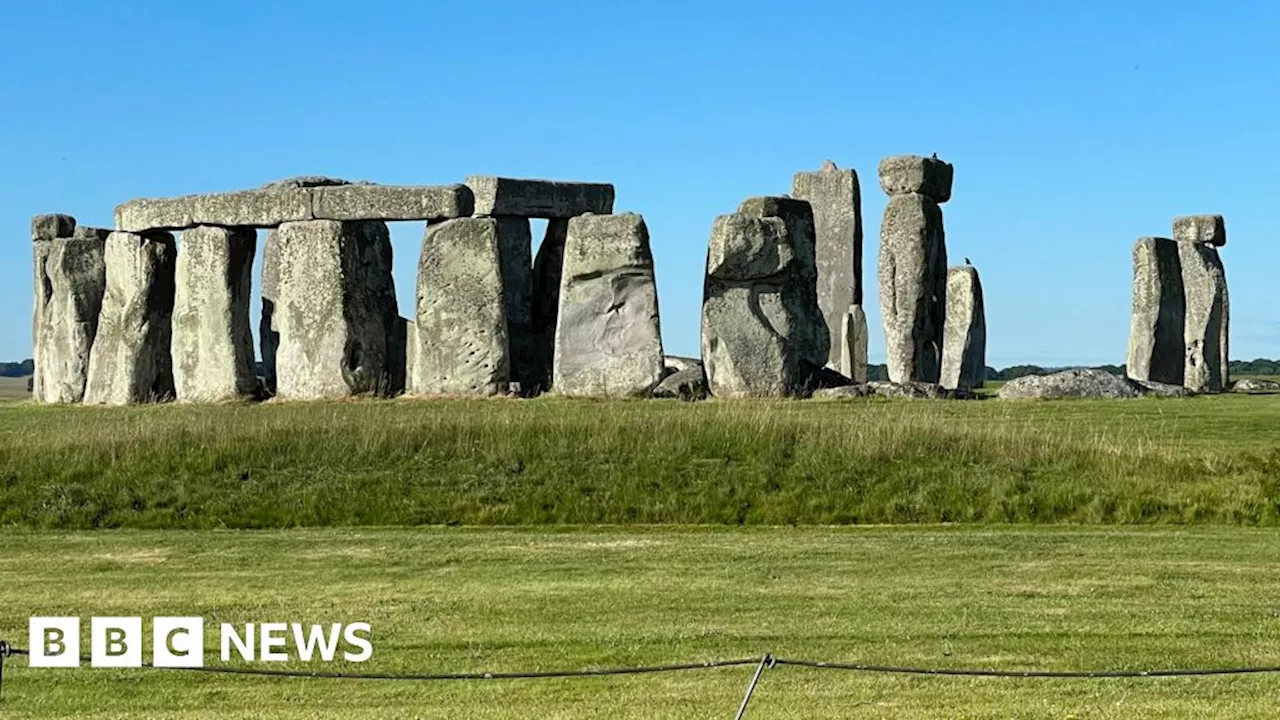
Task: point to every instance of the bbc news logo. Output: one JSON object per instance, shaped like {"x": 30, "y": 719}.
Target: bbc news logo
{"x": 179, "y": 642}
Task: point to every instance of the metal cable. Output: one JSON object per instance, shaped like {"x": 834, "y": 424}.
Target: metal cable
{"x": 967, "y": 672}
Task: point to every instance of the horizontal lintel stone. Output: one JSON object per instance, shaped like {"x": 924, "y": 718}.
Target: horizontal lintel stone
{"x": 498, "y": 196}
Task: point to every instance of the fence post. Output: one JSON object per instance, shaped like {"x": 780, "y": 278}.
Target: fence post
{"x": 765, "y": 662}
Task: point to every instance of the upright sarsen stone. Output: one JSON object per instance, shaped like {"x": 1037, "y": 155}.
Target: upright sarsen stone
{"x": 212, "y": 342}
{"x": 608, "y": 338}
{"x": 70, "y": 279}
{"x": 1204, "y": 281}
{"x": 547, "y": 272}
{"x": 334, "y": 309}
{"x": 912, "y": 272}
{"x": 1157, "y": 326}
{"x": 836, "y": 200}
{"x": 130, "y": 361}
{"x": 853, "y": 345}
{"x": 268, "y": 332}
{"x": 463, "y": 336}
{"x": 964, "y": 352}
{"x": 516, "y": 261}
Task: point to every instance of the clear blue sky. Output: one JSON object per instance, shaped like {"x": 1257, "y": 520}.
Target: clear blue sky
{"x": 1074, "y": 127}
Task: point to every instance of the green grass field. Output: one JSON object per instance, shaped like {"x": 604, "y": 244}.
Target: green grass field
{"x": 554, "y": 461}
{"x": 523, "y": 599}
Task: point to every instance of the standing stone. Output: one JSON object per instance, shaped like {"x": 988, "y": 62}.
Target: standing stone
{"x": 70, "y": 282}
{"x": 268, "y": 333}
{"x": 853, "y": 345}
{"x": 810, "y": 334}
{"x": 1156, "y": 331}
{"x": 913, "y": 266}
{"x": 1204, "y": 281}
{"x": 212, "y": 342}
{"x": 964, "y": 352}
{"x": 515, "y": 251}
{"x": 836, "y": 199}
{"x": 750, "y": 323}
{"x": 130, "y": 361}
{"x": 462, "y": 311}
{"x": 608, "y": 339}
{"x": 547, "y": 272}
{"x": 333, "y": 308}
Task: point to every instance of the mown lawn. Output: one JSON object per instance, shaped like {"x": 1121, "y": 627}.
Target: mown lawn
{"x": 555, "y": 461}
{"x": 463, "y": 600}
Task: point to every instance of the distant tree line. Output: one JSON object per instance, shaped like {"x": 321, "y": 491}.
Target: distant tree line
{"x": 17, "y": 369}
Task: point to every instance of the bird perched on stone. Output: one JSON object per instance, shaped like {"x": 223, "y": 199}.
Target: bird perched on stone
{"x": 829, "y": 166}
{"x": 935, "y": 156}
{"x": 966, "y": 261}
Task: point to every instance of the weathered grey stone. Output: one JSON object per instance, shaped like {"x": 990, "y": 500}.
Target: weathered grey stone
{"x": 70, "y": 282}
{"x": 1075, "y": 383}
{"x": 964, "y": 337}
{"x": 905, "y": 174}
{"x": 130, "y": 361}
{"x": 810, "y": 334}
{"x": 547, "y": 271}
{"x": 52, "y": 225}
{"x": 306, "y": 181}
{"x": 91, "y": 233}
{"x": 1159, "y": 389}
{"x": 247, "y": 208}
{"x": 913, "y": 287}
{"x": 1254, "y": 385}
{"x": 1156, "y": 350}
{"x": 268, "y": 332}
{"x": 853, "y": 344}
{"x": 391, "y": 202}
{"x": 42, "y": 292}
{"x": 412, "y": 349}
{"x": 856, "y": 390}
{"x": 516, "y": 254}
{"x": 1205, "y": 229}
{"x": 836, "y": 200}
{"x": 212, "y": 341}
{"x": 462, "y": 311}
{"x": 1208, "y": 315}
{"x": 687, "y": 384}
{"x": 499, "y": 196}
{"x": 608, "y": 339}
{"x": 334, "y": 309}
{"x": 674, "y": 363}
{"x": 748, "y": 322}
{"x": 909, "y": 390}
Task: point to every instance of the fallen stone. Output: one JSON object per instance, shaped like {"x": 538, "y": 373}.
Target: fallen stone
{"x": 71, "y": 281}
{"x": 1200, "y": 229}
{"x": 391, "y": 202}
{"x": 964, "y": 337}
{"x": 51, "y": 226}
{"x": 462, "y": 311}
{"x": 1205, "y": 335}
{"x": 688, "y": 384}
{"x": 905, "y": 174}
{"x": 913, "y": 287}
{"x": 810, "y": 335}
{"x": 856, "y": 390}
{"x": 1254, "y": 385}
{"x": 130, "y": 361}
{"x": 1075, "y": 383}
{"x": 1156, "y": 343}
{"x": 836, "y": 200}
{"x": 674, "y": 363}
{"x": 853, "y": 345}
{"x": 748, "y": 322}
{"x": 212, "y": 342}
{"x": 608, "y": 339}
{"x": 334, "y": 309}
{"x": 498, "y": 196}
{"x": 910, "y": 390}
{"x": 1159, "y": 389}
{"x": 268, "y": 332}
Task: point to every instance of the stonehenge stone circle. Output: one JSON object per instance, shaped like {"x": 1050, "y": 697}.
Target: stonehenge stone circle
{"x": 1156, "y": 344}
{"x": 964, "y": 351}
{"x": 334, "y": 309}
{"x": 836, "y": 201}
{"x": 1204, "y": 282}
{"x": 751, "y": 321}
{"x": 130, "y": 361}
{"x": 463, "y": 332}
{"x": 213, "y": 356}
{"x": 913, "y": 266}
{"x": 608, "y": 340}
{"x": 810, "y": 334}
{"x": 69, "y": 283}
